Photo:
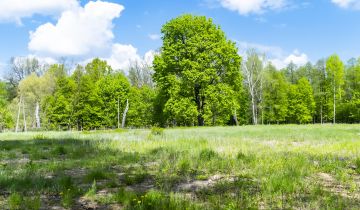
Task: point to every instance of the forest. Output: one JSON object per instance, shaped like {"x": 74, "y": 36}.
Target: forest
{"x": 197, "y": 78}
{"x": 201, "y": 126}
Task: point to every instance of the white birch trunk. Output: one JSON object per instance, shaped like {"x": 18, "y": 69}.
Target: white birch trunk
{"x": 18, "y": 116}
{"x": 23, "y": 107}
{"x": 124, "y": 114}
{"x": 37, "y": 117}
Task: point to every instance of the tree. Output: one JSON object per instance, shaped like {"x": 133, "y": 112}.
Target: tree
{"x": 6, "y": 120}
{"x": 290, "y": 72}
{"x": 58, "y": 105}
{"x": 335, "y": 72}
{"x": 253, "y": 73}
{"x": 141, "y": 111}
{"x": 349, "y": 108}
{"x": 111, "y": 90}
{"x": 320, "y": 87}
{"x": 32, "y": 90}
{"x": 301, "y": 102}
{"x": 140, "y": 74}
{"x": 194, "y": 57}
{"x": 86, "y": 103}
{"x": 22, "y": 67}
{"x": 275, "y": 99}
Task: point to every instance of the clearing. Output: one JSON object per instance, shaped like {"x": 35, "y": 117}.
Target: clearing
{"x": 259, "y": 167}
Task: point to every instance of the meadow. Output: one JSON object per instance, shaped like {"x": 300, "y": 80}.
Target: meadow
{"x": 245, "y": 167}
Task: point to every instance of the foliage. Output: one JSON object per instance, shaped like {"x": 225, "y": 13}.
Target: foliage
{"x": 195, "y": 58}
{"x": 275, "y": 100}
{"x": 197, "y": 78}
{"x": 301, "y": 102}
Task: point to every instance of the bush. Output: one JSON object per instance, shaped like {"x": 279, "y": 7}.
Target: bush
{"x": 14, "y": 201}
{"x": 95, "y": 175}
{"x": 59, "y": 150}
{"x": 92, "y": 191}
{"x": 156, "y": 131}
{"x": 39, "y": 137}
{"x": 207, "y": 154}
{"x": 357, "y": 165}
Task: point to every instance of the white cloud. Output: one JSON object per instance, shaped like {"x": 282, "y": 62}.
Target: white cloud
{"x": 296, "y": 57}
{"x": 149, "y": 57}
{"x": 123, "y": 56}
{"x": 245, "y": 7}
{"x": 276, "y": 55}
{"x": 79, "y": 32}
{"x": 154, "y": 36}
{"x": 346, "y": 4}
{"x": 15, "y": 10}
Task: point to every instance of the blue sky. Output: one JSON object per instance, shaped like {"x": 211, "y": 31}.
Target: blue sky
{"x": 119, "y": 31}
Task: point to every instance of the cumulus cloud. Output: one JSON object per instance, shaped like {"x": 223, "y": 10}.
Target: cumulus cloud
{"x": 122, "y": 56}
{"x": 15, "y": 10}
{"x": 354, "y": 4}
{"x": 276, "y": 55}
{"x": 245, "y": 7}
{"x": 149, "y": 57}
{"x": 296, "y": 57}
{"x": 78, "y": 32}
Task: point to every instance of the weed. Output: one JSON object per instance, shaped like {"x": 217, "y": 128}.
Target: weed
{"x": 207, "y": 154}
{"x": 59, "y": 150}
{"x": 14, "y": 201}
{"x": 156, "y": 131}
{"x": 39, "y": 136}
{"x": 92, "y": 191}
{"x": 96, "y": 175}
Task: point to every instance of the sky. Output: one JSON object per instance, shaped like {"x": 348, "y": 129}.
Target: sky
{"x": 120, "y": 31}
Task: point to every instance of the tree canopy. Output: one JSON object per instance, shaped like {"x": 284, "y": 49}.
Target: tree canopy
{"x": 198, "y": 70}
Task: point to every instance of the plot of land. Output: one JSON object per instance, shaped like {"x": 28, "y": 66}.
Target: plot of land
{"x": 261, "y": 167}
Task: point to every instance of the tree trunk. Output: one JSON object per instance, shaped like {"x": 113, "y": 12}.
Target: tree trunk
{"x": 124, "y": 114}
{"x": 37, "y": 117}
{"x": 199, "y": 104}
{"x": 118, "y": 113}
{"x": 235, "y": 118}
{"x": 334, "y": 121}
{"x": 321, "y": 113}
{"x": 23, "y": 106}
{"x": 253, "y": 109}
{"x": 18, "y": 116}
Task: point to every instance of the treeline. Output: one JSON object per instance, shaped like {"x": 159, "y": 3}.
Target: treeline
{"x": 197, "y": 78}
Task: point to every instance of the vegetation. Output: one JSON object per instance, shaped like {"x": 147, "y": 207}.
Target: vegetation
{"x": 197, "y": 78}
{"x": 268, "y": 167}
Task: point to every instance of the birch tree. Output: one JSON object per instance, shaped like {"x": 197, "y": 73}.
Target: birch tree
{"x": 253, "y": 74}
{"x": 335, "y": 73}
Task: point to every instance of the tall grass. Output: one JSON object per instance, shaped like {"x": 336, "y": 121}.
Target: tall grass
{"x": 282, "y": 166}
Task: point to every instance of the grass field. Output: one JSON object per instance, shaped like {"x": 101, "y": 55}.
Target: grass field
{"x": 257, "y": 167}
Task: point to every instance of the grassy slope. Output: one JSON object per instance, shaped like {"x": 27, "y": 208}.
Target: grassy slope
{"x": 265, "y": 167}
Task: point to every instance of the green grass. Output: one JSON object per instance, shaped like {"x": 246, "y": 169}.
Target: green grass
{"x": 281, "y": 167}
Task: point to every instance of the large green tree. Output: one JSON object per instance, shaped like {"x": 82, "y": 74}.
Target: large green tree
{"x": 196, "y": 57}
